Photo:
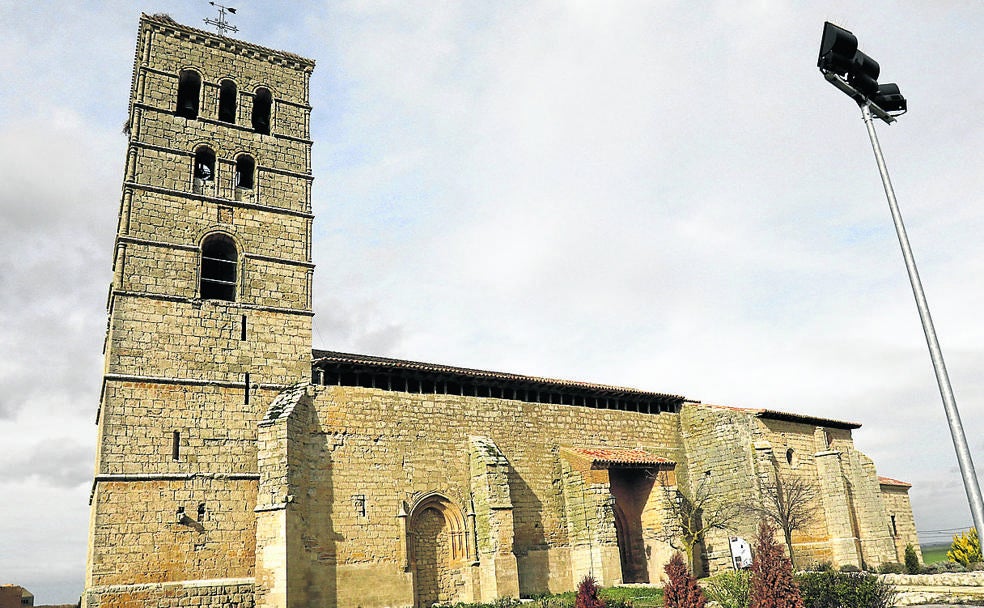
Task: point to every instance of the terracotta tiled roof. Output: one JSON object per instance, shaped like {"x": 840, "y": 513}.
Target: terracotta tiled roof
{"x": 605, "y": 457}
{"x": 327, "y": 356}
{"x": 888, "y": 481}
{"x": 791, "y": 417}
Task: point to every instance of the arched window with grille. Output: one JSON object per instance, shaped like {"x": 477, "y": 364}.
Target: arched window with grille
{"x": 245, "y": 171}
{"x": 227, "y": 101}
{"x": 220, "y": 263}
{"x": 189, "y": 90}
{"x": 262, "y": 107}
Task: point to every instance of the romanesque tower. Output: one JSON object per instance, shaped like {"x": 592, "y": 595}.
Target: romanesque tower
{"x": 209, "y": 314}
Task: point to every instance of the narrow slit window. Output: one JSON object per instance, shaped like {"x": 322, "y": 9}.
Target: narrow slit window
{"x": 242, "y": 329}
{"x": 245, "y": 171}
{"x": 201, "y": 511}
{"x": 262, "y": 106}
{"x": 189, "y": 90}
{"x": 227, "y": 101}
{"x": 246, "y": 388}
{"x": 176, "y": 445}
{"x": 219, "y": 268}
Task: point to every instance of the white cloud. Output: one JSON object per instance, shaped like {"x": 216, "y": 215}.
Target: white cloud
{"x": 653, "y": 195}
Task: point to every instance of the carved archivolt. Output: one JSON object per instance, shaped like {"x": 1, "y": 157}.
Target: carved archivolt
{"x": 452, "y": 516}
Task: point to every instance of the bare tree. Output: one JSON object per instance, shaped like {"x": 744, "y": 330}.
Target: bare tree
{"x": 693, "y": 516}
{"x": 789, "y": 502}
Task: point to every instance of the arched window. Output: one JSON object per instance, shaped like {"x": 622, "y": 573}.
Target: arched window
{"x": 262, "y": 104}
{"x": 227, "y": 101}
{"x": 204, "y": 172}
{"x": 189, "y": 88}
{"x": 219, "y": 264}
{"x": 245, "y": 171}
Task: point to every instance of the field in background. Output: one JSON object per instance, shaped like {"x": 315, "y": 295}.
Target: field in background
{"x": 934, "y": 553}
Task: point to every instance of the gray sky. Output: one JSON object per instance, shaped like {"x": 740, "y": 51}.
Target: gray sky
{"x": 661, "y": 195}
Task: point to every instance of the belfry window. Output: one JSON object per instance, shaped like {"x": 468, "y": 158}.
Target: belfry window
{"x": 262, "y": 105}
{"x": 204, "y": 171}
{"x": 189, "y": 88}
{"x": 227, "y": 101}
{"x": 219, "y": 267}
{"x": 245, "y": 171}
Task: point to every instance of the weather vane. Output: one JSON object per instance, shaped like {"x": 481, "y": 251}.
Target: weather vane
{"x": 222, "y": 27}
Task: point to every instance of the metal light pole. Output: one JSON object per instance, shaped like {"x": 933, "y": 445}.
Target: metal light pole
{"x": 839, "y": 57}
{"x": 942, "y": 378}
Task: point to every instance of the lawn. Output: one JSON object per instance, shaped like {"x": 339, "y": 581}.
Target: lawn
{"x": 934, "y": 553}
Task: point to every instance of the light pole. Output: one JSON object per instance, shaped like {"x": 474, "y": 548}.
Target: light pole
{"x": 856, "y": 74}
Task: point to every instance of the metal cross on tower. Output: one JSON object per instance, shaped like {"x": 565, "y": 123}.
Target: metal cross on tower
{"x": 222, "y": 27}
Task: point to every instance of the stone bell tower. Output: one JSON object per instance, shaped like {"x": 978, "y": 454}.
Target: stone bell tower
{"x": 209, "y": 314}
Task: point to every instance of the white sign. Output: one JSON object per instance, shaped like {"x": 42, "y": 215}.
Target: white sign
{"x": 741, "y": 553}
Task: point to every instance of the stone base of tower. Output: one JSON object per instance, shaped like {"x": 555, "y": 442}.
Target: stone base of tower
{"x": 215, "y": 593}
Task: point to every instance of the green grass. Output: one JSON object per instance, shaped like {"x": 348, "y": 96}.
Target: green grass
{"x": 934, "y": 553}
{"x": 641, "y": 597}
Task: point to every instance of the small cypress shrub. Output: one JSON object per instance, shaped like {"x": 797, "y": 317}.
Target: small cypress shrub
{"x": 772, "y": 574}
{"x": 681, "y": 591}
{"x": 966, "y": 548}
{"x": 911, "y": 560}
{"x": 587, "y": 594}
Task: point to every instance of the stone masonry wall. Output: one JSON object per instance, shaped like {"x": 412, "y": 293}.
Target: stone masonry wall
{"x": 718, "y": 445}
{"x": 388, "y": 447}
{"x": 897, "y": 505}
{"x": 226, "y": 593}
{"x": 140, "y": 537}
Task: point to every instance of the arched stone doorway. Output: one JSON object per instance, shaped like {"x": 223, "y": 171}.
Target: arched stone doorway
{"x": 436, "y": 533}
{"x": 631, "y": 489}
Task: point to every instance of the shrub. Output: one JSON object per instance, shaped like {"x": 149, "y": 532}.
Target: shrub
{"x": 587, "y": 594}
{"x": 845, "y": 590}
{"x": 966, "y": 548}
{"x": 947, "y": 566}
{"x": 911, "y": 560}
{"x": 681, "y": 591}
{"x": 730, "y": 589}
{"x": 772, "y": 574}
{"x": 849, "y": 568}
{"x": 892, "y": 568}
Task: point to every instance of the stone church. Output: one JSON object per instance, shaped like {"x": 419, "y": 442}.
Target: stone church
{"x": 237, "y": 466}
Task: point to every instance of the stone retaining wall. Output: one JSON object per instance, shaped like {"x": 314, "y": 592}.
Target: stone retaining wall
{"x": 946, "y": 588}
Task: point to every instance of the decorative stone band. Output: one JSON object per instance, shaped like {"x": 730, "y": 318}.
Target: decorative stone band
{"x": 183, "y": 247}
{"x": 177, "y": 381}
{"x": 169, "y": 298}
{"x": 137, "y": 477}
{"x": 217, "y": 199}
{"x": 226, "y": 125}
